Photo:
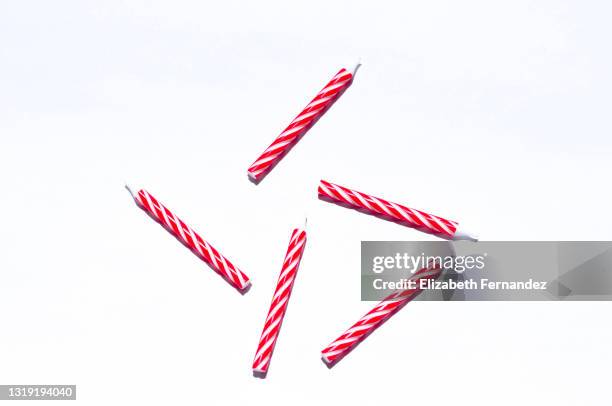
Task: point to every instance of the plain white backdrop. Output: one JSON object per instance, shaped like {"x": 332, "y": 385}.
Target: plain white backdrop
{"x": 494, "y": 114}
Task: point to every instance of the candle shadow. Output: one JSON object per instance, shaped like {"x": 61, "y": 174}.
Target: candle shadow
{"x": 383, "y": 217}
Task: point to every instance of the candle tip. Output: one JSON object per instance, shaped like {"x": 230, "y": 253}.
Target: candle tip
{"x": 356, "y": 67}
{"x": 129, "y": 189}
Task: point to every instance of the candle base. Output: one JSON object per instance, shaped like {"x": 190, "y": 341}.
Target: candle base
{"x": 258, "y": 373}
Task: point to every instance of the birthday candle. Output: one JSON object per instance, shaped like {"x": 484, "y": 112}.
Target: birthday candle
{"x": 302, "y": 123}
{"x": 280, "y": 300}
{"x": 376, "y": 317}
{"x": 190, "y": 238}
{"x": 374, "y": 205}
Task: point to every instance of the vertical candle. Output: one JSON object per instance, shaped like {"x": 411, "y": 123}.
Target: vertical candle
{"x": 375, "y": 318}
{"x": 280, "y": 300}
{"x": 301, "y": 124}
{"x": 190, "y": 238}
{"x": 393, "y": 211}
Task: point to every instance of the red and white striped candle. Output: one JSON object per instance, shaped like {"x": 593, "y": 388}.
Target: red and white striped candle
{"x": 190, "y": 238}
{"x": 393, "y": 211}
{"x": 280, "y": 300}
{"x": 301, "y": 124}
{"x": 375, "y": 318}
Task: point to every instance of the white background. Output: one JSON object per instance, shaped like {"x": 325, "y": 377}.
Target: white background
{"x": 494, "y": 114}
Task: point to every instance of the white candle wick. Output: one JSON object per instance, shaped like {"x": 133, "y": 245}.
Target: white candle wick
{"x": 129, "y": 189}
{"x": 356, "y": 67}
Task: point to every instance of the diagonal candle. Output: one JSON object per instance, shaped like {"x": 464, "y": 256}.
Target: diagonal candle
{"x": 376, "y": 317}
{"x": 301, "y": 124}
{"x": 373, "y": 205}
{"x": 280, "y": 300}
{"x": 190, "y": 238}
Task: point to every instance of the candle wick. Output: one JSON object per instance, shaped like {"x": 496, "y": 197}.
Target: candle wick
{"x": 305, "y": 223}
{"x": 356, "y": 67}
{"x": 129, "y": 189}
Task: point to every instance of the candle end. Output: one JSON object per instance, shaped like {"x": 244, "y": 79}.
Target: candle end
{"x": 356, "y": 67}
{"x": 462, "y": 234}
{"x": 259, "y": 373}
{"x": 253, "y": 177}
{"x": 246, "y": 287}
{"x": 129, "y": 189}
